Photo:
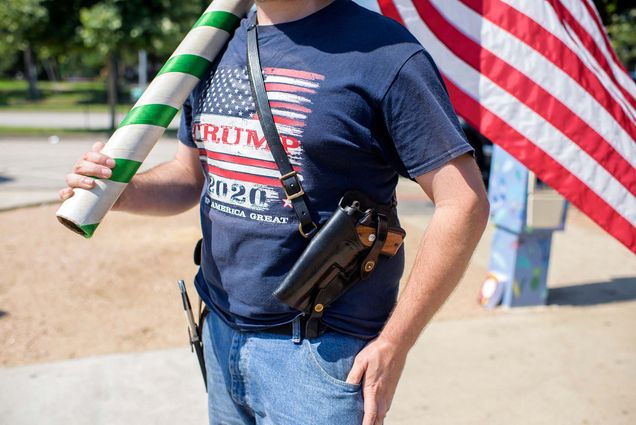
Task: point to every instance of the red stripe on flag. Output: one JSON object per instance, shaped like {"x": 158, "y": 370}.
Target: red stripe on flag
{"x": 590, "y": 44}
{"x": 243, "y": 160}
{"x": 387, "y": 7}
{"x": 235, "y": 159}
{"x": 283, "y": 121}
{"x": 549, "y": 170}
{"x": 288, "y": 121}
{"x": 293, "y": 73}
{"x": 245, "y": 177}
{"x": 292, "y": 106}
{"x": 532, "y": 95}
{"x": 288, "y": 88}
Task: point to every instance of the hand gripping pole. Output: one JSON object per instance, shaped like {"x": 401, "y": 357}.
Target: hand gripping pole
{"x": 153, "y": 112}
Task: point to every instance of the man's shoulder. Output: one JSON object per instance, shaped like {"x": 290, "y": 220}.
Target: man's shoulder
{"x": 379, "y": 37}
{"x": 375, "y": 27}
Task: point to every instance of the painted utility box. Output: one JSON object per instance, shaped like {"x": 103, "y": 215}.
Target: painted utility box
{"x": 526, "y": 213}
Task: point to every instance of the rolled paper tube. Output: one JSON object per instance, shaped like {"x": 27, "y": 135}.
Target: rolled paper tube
{"x": 147, "y": 120}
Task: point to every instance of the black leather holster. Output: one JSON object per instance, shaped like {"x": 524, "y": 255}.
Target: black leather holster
{"x": 344, "y": 251}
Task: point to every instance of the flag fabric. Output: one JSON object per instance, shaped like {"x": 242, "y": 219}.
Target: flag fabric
{"x": 540, "y": 79}
{"x": 232, "y": 143}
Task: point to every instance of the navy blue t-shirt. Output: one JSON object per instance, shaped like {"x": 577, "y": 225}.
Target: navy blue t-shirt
{"x": 358, "y": 102}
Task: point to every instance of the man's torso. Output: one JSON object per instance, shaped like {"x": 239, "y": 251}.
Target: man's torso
{"x": 326, "y": 77}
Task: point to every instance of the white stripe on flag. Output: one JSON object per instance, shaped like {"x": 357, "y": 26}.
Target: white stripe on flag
{"x": 289, "y": 130}
{"x": 581, "y": 14}
{"x": 291, "y": 81}
{"x": 527, "y": 122}
{"x": 543, "y": 14}
{"x": 257, "y": 171}
{"x": 543, "y": 72}
{"x": 287, "y": 97}
{"x": 288, "y": 114}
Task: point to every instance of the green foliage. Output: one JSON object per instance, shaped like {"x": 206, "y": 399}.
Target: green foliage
{"x": 60, "y": 96}
{"x": 76, "y": 32}
{"x": 619, "y": 18}
{"x": 608, "y": 8}
{"x": 101, "y": 27}
{"x": 21, "y": 20}
{"x": 83, "y": 63}
{"x": 60, "y": 35}
{"x": 131, "y": 25}
{"x": 622, "y": 31}
{"x": 20, "y": 25}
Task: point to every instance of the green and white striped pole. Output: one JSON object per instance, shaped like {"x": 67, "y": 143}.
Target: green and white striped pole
{"x": 153, "y": 112}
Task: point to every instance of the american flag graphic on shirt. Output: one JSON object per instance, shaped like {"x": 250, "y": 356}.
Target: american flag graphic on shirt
{"x": 243, "y": 176}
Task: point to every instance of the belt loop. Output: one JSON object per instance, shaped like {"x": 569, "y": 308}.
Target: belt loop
{"x": 296, "y": 331}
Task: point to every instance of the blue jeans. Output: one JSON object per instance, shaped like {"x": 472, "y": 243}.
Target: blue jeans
{"x": 268, "y": 379}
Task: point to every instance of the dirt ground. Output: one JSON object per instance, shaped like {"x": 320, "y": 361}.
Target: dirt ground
{"x": 64, "y": 297}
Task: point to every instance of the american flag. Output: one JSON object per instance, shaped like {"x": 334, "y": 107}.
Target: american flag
{"x": 540, "y": 79}
{"x": 226, "y": 127}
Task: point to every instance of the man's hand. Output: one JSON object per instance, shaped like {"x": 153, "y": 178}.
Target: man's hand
{"x": 91, "y": 164}
{"x": 378, "y": 367}
{"x": 169, "y": 188}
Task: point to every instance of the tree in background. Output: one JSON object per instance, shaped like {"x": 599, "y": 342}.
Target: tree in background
{"x": 22, "y": 21}
{"x": 60, "y": 41}
{"x": 118, "y": 28}
{"x": 619, "y": 17}
{"x": 102, "y": 29}
{"x": 76, "y": 35}
{"x": 622, "y": 31}
{"x": 44, "y": 32}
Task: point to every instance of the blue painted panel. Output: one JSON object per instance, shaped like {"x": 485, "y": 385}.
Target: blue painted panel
{"x": 529, "y": 282}
{"x": 520, "y": 263}
{"x": 508, "y": 191}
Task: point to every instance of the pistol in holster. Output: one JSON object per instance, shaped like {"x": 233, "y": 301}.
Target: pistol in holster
{"x": 344, "y": 251}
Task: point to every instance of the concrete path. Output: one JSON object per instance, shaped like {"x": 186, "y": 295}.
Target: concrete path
{"x": 148, "y": 388}
{"x": 72, "y": 120}
{"x": 32, "y": 170}
{"x": 566, "y": 366}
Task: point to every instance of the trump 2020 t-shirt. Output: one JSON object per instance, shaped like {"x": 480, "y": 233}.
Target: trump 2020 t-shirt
{"x": 357, "y": 102}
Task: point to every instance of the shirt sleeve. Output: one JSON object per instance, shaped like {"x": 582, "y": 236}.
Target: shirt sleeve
{"x": 185, "y": 125}
{"x": 420, "y": 120}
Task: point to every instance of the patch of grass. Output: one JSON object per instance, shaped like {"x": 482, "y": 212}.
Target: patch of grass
{"x": 48, "y": 85}
{"x": 47, "y": 132}
{"x": 6, "y": 85}
{"x": 60, "y": 96}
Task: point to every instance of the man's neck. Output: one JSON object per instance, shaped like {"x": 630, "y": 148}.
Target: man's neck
{"x": 271, "y": 12}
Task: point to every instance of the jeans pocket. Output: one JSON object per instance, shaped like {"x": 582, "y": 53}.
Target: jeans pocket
{"x": 332, "y": 355}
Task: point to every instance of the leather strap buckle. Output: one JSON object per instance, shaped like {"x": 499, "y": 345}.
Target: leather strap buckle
{"x": 309, "y": 233}
{"x": 286, "y": 188}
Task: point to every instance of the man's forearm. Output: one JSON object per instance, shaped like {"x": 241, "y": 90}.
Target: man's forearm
{"x": 441, "y": 260}
{"x": 166, "y": 189}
